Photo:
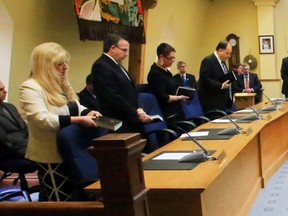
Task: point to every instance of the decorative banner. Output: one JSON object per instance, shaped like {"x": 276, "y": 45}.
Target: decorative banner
{"x": 96, "y": 18}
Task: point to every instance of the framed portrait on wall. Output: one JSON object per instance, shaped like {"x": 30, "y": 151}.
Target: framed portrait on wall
{"x": 266, "y": 44}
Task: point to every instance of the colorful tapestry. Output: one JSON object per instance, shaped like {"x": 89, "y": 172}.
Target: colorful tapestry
{"x": 96, "y": 18}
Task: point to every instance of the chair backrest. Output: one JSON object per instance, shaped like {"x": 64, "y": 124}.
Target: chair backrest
{"x": 143, "y": 88}
{"x": 192, "y": 108}
{"x": 154, "y": 140}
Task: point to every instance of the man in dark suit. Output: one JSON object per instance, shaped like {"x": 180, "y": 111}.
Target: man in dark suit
{"x": 284, "y": 76}
{"x": 114, "y": 88}
{"x": 87, "y": 96}
{"x": 214, "y": 89}
{"x": 13, "y": 130}
{"x": 248, "y": 82}
{"x": 183, "y": 78}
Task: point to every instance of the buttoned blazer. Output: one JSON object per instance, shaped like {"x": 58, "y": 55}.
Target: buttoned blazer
{"x": 13, "y": 132}
{"x": 115, "y": 93}
{"x": 211, "y": 95}
{"x": 190, "y": 80}
{"x": 43, "y": 122}
{"x": 254, "y": 82}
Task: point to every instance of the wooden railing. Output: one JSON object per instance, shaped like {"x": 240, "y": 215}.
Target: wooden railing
{"x": 122, "y": 182}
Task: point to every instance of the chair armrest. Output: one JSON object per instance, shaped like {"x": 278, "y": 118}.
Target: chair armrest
{"x": 215, "y": 113}
{"x": 198, "y": 120}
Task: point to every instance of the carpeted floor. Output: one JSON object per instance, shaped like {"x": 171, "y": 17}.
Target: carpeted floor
{"x": 272, "y": 200}
{"x": 7, "y": 184}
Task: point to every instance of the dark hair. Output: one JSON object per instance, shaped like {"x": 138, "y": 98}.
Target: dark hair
{"x": 164, "y": 49}
{"x": 222, "y": 45}
{"x": 111, "y": 39}
{"x": 89, "y": 79}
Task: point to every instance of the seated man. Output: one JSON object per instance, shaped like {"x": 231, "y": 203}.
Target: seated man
{"x": 248, "y": 82}
{"x": 13, "y": 130}
{"x": 87, "y": 96}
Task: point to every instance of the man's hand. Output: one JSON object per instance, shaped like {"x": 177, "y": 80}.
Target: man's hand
{"x": 226, "y": 84}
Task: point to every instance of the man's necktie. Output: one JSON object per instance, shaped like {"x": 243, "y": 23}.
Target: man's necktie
{"x": 225, "y": 70}
{"x": 246, "y": 82}
{"x": 183, "y": 80}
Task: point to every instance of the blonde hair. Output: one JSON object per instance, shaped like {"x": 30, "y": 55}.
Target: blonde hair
{"x": 44, "y": 60}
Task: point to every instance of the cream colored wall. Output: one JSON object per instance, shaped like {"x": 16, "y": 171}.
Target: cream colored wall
{"x": 39, "y": 21}
{"x": 176, "y": 23}
{"x": 281, "y": 34}
{"x": 194, "y": 27}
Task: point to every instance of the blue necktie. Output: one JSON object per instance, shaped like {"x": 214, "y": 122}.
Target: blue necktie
{"x": 183, "y": 80}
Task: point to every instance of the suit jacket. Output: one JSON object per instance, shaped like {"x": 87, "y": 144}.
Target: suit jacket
{"x": 13, "y": 132}
{"x": 190, "y": 80}
{"x": 254, "y": 83}
{"x": 116, "y": 94}
{"x": 284, "y": 76}
{"x": 44, "y": 122}
{"x": 88, "y": 100}
{"x": 211, "y": 95}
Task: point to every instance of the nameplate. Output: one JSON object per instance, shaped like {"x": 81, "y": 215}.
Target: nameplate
{"x": 249, "y": 131}
{"x": 222, "y": 157}
{"x": 268, "y": 117}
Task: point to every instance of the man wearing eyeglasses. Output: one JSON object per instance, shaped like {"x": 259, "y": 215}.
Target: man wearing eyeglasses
{"x": 183, "y": 78}
{"x": 214, "y": 88}
{"x": 114, "y": 88}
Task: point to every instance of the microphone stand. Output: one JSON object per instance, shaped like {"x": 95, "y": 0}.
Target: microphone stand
{"x": 275, "y": 107}
{"x": 230, "y": 131}
{"x": 195, "y": 156}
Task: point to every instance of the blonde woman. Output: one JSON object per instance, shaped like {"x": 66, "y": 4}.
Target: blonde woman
{"x": 60, "y": 129}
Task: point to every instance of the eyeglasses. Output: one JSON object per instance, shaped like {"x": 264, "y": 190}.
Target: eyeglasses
{"x": 124, "y": 50}
{"x": 172, "y": 59}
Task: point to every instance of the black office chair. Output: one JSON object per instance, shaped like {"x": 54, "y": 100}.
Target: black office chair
{"x": 21, "y": 167}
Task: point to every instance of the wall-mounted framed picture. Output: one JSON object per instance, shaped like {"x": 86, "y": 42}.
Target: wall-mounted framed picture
{"x": 266, "y": 44}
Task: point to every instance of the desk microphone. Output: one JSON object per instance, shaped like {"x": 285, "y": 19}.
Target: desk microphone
{"x": 271, "y": 108}
{"x": 253, "y": 116}
{"x": 195, "y": 156}
{"x": 256, "y": 114}
{"x": 230, "y": 131}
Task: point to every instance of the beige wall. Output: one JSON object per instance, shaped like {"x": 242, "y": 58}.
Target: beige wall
{"x": 38, "y": 21}
{"x": 194, "y": 27}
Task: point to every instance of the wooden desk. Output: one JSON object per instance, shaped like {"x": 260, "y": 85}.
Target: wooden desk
{"x": 223, "y": 189}
{"x": 243, "y": 100}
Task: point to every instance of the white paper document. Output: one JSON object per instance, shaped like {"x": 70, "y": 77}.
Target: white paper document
{"x": 195, "y": 134}
{"x": 223, "y": 120}
{"x": 245, "y": 111}
{"x": 171, "y": 156}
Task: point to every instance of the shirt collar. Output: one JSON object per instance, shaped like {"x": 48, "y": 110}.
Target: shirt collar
{"x": 111, "y": 58}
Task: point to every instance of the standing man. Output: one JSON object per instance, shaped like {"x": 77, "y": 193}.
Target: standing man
{"x": 13, "y": 130}
{"x": 248, "y": 82}
{"x": 114, "y": 88}
{"x": 183, "y": 78}
{"x": 214, "y": 89}
{"x": 284, "y": 76}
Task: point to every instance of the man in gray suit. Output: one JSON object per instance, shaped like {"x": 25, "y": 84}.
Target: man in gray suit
{"x": 13, "y": 129}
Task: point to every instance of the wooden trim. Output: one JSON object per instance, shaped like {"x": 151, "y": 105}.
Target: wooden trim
{"x": 270, "y": 80}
